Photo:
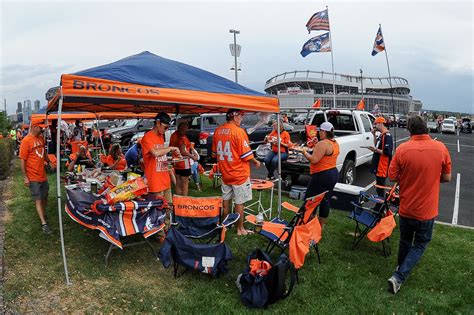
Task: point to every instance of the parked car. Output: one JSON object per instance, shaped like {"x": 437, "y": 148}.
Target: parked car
{"x": 125, "y": 131}
{"x": 466, "y": 126}
{"x": 448, "y": 125}
{"x": 300, "y": 119}
{"x": 402, "y": 122}
{"x": 202, "y": 127}
{"x": 432, "y": 126}
{"x": 353, "y": 133}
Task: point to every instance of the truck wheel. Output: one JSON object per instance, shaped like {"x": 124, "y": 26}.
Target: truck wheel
{"x": 348, "y": 172}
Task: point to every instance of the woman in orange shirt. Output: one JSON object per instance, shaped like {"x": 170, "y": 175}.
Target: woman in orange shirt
{"x": 271, "y": 159}
{"x": 115, "y": 159}
{"x": 323, "y": 169}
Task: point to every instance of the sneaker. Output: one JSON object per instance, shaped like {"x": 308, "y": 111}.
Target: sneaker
{"x": 393, "y": 285}
{"x": 46, "y": 229}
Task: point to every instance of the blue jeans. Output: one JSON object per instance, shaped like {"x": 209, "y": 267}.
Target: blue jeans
{"x": 195, "y": 173}
{"x": 414, "y": 237}
{"x": 271, "y": 161}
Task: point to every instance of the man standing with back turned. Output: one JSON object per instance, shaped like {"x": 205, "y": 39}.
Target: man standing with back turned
{"x": 419, "y": 165}
{"x": 231, "y": 148}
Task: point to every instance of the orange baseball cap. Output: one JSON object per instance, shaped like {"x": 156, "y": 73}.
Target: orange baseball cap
{"x": 39, "y": 124}
{"x": 380, "y": 120}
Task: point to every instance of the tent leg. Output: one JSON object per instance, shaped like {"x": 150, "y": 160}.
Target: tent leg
{"x": 58, "y": 186}
{"x": 279, "y": 166}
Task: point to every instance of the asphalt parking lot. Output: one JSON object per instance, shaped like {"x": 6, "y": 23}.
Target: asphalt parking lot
{"x": 456, "y": 204}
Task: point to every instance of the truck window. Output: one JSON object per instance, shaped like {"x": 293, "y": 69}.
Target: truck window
{"x": 372, "y": 119}
{"x": 252, "y": 119}
{"x": 342, "y": 121}
{"x": 211, "y": 122}
{"x": 318, "y": 119}
{"x": 366, "y": 123}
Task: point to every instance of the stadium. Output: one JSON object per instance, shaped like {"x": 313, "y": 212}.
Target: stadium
{"x": 302, "y": 88}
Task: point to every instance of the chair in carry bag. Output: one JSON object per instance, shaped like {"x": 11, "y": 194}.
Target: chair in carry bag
{"x": 298, "y": 235}
{"x": 376, "y": 223}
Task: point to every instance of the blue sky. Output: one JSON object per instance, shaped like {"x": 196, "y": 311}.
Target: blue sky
{"x": 428, "y": 43}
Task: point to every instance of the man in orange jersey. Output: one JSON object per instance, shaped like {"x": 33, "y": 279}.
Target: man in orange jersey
{"x": 382, "y": 156}
{"x": 155, "y": 159}
{"x": 231, "y": 148}
{"x": 419, "y": 166}
{"x": 32, "y": 158}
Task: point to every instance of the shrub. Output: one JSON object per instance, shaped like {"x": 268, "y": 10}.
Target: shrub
{"x": 6, "y": 156}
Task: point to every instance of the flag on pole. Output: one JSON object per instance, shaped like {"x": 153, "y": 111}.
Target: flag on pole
{"x": 361, "y": 105}
{"x": 318, "y": 22}
{"x": 379, "y": 44}
{"x": 318, "y": 43}
{"x": 317, "y": 104}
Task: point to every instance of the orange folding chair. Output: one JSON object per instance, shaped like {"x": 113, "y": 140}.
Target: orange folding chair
{"x": 299, "y": 234}
{"x": 378, "y": 222}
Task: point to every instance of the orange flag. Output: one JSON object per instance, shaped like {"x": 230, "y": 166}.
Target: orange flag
{"x": 317, "y": 104}
{"x": 361, "y": 105}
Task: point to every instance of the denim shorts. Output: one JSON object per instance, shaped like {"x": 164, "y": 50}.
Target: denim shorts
{"x": 39, "y": 190}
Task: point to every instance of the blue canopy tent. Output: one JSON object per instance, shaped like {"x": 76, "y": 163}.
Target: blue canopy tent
{"x": 146, "y": 83}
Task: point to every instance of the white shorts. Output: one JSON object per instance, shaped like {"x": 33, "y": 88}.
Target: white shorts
{"x": 241, "y": 193}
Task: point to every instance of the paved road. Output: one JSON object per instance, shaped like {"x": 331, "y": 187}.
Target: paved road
{"x": 463, "y": 164}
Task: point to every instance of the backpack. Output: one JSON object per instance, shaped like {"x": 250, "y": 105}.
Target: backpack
{"x": 265, "y": 288}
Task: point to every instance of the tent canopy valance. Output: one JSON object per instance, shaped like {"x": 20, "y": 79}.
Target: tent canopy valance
{"x": 41, "y": 116}
{"x": 148, "y": 83}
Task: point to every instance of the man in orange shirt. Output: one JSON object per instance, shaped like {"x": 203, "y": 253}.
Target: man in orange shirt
{"x": 419, "y": 166}
{"x": 32, "y": 158}
{"x": 271, "y": 159}
{"x": 155, "y": 159}
{"x": 231, "y": 148}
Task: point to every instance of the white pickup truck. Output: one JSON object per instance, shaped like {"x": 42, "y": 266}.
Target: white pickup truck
{"x": 352, "y": 129}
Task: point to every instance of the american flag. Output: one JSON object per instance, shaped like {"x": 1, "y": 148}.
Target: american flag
{"x": 318, "y": 22}
{"x": 379, "y": 44}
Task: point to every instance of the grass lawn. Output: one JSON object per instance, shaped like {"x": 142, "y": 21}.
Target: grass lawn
{"x": 346, "y": 281}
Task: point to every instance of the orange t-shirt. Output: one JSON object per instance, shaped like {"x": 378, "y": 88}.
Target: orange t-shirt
{"x": 284, "y": 138}
{"x": 230, "y": 146}
{"x": 156, "y": 168}
{"x": 122, "y": 165}
{"x": 327, "y": 162}
{"x": 33, "y": 152}
{"x": 417, "y": 167}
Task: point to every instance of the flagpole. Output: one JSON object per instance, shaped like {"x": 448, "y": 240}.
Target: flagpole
{"x": 332, "y": 64}
{"x": 391, "y": 92}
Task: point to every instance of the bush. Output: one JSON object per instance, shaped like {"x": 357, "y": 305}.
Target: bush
{"x": 6, "y": 156}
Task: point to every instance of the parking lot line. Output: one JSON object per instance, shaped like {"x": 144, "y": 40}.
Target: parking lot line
{"x": 459, "y": 150}
{"x": 456, "y": 200}
{"x": 460, "y": 145}
{"x": 403, "y": 139}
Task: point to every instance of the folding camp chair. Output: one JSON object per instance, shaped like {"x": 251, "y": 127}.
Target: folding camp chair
{"x": 197, "y": 218}
{"x": 200, "y": 217}
{"x": 299, "y": 234}
{"x": 367, "y": 218}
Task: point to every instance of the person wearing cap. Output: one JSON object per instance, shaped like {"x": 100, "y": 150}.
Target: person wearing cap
{"x": 134, "y": 155}
{"x": 419, "y": 166}
{"x": 183, "y": 168}
{"x": 271, "y": 159}
{"x": 323, "y": 169}
{"x": 382, "y": 156}
{"x": 155, "y": 159}
{"x": 230, "y": 146}
{"x": 82, "y": 157}
{"x": 32, "y": 162}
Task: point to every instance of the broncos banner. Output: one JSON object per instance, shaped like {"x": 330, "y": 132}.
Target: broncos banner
{"x": 117, "y": 220}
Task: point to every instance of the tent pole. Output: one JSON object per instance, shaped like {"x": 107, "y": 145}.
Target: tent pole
{"x": 279, "y": 165}
{"x": 58, "y": 185}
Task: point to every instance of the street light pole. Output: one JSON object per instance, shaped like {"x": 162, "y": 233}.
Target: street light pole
{"x": 235, "y": 32}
